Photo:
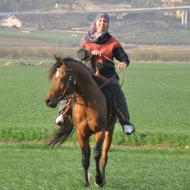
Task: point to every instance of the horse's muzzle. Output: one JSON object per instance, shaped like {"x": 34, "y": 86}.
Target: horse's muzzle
{"x": 51, "y": 102}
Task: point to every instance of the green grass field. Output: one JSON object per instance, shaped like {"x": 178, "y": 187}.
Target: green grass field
{"x": 52, "y": 37}
{"x": 31, "y": 167}
{"x": 157, "y": 94}
{"x": 156, "y": 157}
{"x": 40, "y": 35}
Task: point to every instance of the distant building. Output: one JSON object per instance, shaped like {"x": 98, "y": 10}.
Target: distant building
{"x": 170, "y": 3}
{"x": 181, "y": 14}
{"x": 11, "y": 21}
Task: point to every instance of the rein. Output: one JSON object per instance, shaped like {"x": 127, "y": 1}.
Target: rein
{"x": 73, "y": 82}
{"x": 122, "y": 71}
{"x": 109, "y": 59}
{"x": 108, "y": 81}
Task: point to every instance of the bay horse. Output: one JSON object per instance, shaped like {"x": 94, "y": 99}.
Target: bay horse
{"x": 89, "y": 111}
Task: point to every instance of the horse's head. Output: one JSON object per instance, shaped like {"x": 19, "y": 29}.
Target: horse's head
{"x": 62, "y": 83}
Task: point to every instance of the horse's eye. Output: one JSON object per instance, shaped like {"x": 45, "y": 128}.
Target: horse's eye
{"x": 63, "y": 79}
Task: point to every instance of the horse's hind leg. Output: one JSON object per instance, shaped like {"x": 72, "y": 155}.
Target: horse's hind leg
{"x": 105, "y": 149}
{"x": 85, "y": 150}
{"x": 97, "y": 155}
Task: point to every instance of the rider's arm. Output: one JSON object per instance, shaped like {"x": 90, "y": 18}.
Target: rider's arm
{"x": 121, "y": 55}
{"x": 83, "y": 54}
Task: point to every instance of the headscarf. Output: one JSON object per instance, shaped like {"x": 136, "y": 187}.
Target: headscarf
{"x": 90, "y": 35}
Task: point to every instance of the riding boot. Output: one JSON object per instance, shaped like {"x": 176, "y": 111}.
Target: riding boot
{"x": 122, "y": 109}
{"x": 59, "y": 119}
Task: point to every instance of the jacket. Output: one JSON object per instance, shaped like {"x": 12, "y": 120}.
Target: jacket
{"x": 109, "y": 47}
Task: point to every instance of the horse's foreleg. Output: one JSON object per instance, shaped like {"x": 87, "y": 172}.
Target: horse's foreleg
{"x": 86, "y": 164}
{"x": 85, "y": 150}
{"x": 105, "y": 149}
{"x": 97, "y": 155}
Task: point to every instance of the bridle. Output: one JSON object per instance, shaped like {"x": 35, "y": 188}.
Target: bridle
{"x": 71, "y": 83}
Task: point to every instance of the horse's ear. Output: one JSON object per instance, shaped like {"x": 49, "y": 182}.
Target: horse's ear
{"x": 56, "y": 58}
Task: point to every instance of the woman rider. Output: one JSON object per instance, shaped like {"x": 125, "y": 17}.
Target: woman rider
{"x": 100, "y": 48}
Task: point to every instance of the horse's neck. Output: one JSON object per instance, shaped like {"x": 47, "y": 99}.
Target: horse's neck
{"x": 86, "y": 82}
{"x": 86, "y": 85}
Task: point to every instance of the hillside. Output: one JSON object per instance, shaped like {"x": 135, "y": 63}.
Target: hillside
{"x": 18, "y": 5}
{"x": 160, "y": 28}
{"x": 135, "y": 28}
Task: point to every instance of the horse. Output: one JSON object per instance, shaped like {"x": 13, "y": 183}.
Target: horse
{"x": 89, "y": 111}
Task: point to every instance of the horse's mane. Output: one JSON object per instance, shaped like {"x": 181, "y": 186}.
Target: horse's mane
{"x": 60, "y": 61}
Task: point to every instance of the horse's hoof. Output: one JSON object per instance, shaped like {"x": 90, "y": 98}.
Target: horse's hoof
{"x": 86, "y": 184}
{"x": 99, "y": 185}
{"x": 100, "y": 182}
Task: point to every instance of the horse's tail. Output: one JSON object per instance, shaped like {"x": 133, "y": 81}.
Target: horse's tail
{"x": 62, "y": 134}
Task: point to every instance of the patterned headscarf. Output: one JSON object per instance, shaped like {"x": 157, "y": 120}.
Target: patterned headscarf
{"x": 90, "y": 36}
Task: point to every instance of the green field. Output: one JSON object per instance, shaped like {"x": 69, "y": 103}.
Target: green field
{"x": 31, "y": 167}
{"x": 43, "y": 35}
{"x": 156, "y": 157}
{"x": 157, "y": 94}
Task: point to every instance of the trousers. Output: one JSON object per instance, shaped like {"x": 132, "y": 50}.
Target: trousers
{"x": 121, "y": 103}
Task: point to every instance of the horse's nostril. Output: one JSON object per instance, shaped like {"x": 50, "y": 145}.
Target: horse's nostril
{"x": 48, "y": 101}
{"x": 51, "y": 102}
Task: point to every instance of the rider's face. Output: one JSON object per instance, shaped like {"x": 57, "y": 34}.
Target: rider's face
{"x": 101, "y": 25}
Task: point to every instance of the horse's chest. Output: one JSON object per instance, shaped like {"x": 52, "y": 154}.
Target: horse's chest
{"x": 85, "y": 116}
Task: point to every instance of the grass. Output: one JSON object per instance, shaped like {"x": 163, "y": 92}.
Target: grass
{"x": 23, "y": 90}
{"x": 42, "y": 35}
{"x": 31, "y": 167}
{"x": 157, "y": 95}
{"x": 17, "y": 61}
{"x": 162, "y": 99}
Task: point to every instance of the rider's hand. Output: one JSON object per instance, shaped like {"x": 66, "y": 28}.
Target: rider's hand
{"x": 122, "y": 66}
{"x": 96, "y": 52}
